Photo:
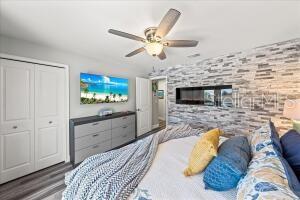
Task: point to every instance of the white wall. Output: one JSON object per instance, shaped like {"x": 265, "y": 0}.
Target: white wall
{"x": 161, "y": 85}
{"x": 77, "y": 64}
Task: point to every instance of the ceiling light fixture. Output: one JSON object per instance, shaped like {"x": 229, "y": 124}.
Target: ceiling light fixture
{"x": 155, "y": 41}
{"x": 154, "y": 48}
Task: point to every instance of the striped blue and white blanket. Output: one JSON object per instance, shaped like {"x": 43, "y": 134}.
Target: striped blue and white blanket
{"x": 115, "y": 174}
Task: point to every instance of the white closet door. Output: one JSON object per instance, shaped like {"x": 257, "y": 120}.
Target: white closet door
{"x": 49, "y": 115}
{"x": 16, "y": 119}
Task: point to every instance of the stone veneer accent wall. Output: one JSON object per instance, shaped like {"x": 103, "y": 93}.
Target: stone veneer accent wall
{"x": 262, "y": 79}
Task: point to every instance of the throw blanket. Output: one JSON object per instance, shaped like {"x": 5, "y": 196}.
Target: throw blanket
{"x": 115, "y": 174}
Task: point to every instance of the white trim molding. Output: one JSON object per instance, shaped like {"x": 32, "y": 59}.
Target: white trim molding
{"x": 32, "y": 60}
{"x": 166, "y": 94}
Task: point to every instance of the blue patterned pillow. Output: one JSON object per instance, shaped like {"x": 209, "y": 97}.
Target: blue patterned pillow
{"x": 266, "y": 176}
{"x": 225, "y": 171}
{"x": 260, "y": 139}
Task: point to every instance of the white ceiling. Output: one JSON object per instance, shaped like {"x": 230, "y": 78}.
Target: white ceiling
{"x": 81, "y": 26}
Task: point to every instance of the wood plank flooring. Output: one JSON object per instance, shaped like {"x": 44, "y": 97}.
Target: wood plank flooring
{"x": 46, "y": 184}
{"x": 37, "y": 185}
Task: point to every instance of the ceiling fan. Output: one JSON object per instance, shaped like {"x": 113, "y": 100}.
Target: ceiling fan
{"x": 155, "y": 37}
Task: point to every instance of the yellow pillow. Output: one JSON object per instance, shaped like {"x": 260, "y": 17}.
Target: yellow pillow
{"x": 203, "y": 152}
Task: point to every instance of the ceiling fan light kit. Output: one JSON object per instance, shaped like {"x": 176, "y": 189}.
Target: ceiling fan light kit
{"x": 154, "y": 48}
{"x": 155, "y": 42}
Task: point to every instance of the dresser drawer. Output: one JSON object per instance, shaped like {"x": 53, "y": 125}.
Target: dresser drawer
{"x": 118, "y": 122}
{"x": 122, "y": 140}
{"x": 122, "y": 135}
{"x": 92, "y": 150}
{"x": 92, "y": 139}
{"x": 116, "y": 132}
{"x": 95, "y": 127}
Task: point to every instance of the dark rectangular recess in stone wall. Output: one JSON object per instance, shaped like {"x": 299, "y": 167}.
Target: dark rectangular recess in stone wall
{"x": 196, "y": 95}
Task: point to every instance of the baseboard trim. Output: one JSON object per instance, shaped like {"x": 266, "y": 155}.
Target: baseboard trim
{"x": 161, "y": 118}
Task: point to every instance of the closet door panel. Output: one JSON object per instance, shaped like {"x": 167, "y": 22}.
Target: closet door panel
{"x": 49, "y": 115}
{"x": 16, "y": 149}
{"x": 17, "y": 95}
{"x": 16, "y": 119}
{"x": 17, "y": 155}
{"x": 48, "y": 90}
{"x": 48, "y": 142}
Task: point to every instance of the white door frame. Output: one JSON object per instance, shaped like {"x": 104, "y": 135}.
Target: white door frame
{"x": 67, "y": 93}
{"x": 166, "y": 94}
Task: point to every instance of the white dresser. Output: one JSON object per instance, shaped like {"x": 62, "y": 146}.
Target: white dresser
{"x": 95, "y": 134}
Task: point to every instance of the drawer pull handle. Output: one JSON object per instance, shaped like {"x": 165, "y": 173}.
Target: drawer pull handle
{"x": 15, "y": 127}
{"x": 95, "y": 135}
{"x": 50, "y": 122}
{"x": 125, "y": 126}
{"x": 94, "y": 124}
{"x": 96, "y": 146}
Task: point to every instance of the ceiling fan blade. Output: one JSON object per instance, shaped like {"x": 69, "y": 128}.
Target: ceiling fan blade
{"x": 162, "y": 55}
{"x": 135, "y": 52}
{"x": 167, "y": 23}
{"x": 181, "y": 43}
{"x": 126, "y": 35}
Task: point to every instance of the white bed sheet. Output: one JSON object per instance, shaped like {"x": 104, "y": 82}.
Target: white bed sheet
{"x": 165, "y": 179}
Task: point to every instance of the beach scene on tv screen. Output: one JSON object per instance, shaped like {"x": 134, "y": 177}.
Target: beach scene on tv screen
{"x": 102, "y": 89}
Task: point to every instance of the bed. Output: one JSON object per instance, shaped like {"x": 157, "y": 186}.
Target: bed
{"x": 152, "y": 168}
{"x": 165, "y": 179}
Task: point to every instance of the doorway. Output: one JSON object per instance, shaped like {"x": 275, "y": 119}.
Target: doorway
{"x": 159, "y": 102}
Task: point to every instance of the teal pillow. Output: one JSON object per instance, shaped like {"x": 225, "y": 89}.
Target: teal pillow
{"x": 230, "y": 165}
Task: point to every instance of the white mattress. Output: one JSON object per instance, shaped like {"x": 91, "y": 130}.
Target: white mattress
{"x": 165, "y": 179}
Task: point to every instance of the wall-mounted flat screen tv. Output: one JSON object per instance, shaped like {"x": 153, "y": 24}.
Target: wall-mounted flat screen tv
{"x": 102, "y": 89}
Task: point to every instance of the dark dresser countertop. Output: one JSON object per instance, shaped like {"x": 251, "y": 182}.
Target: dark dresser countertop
{"x": 96, "y": 118}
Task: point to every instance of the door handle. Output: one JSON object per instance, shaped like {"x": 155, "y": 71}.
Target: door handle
{"x": 50, "y": 122}
{"x": 15, "y": 127}
{"x": 95, "y": 135}
{"x": 125, "y": 126}
{"x": 138, "y": 109}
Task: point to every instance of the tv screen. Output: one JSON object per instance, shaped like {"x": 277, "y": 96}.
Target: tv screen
{"x": 102, "y": 89}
